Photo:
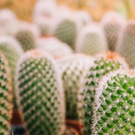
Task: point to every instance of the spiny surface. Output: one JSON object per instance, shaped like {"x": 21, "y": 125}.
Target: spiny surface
{"x": 115, "y": 113}
{"x": 5, "y": 97}
{"x": 39, "y": 94}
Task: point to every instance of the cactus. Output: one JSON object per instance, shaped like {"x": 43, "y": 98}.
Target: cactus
{"x": 112, "y": 23}
{"x": 91, "y": 40}
{"x": 103, "y": 64}
{"x": 53, "y": 46}
{"x": 126, "y": 43}
{"x": 74, "y": 69}
{"x": 39, "y": 94}
{"x": 5, "y": 97}
{"x": 114, "y": 111}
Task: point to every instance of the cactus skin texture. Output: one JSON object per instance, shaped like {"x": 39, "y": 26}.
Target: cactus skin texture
{"x": 126, "y": 43}
{"x": 5, "y": 97}
{"x": 102, "y": 65}
{"x": 114, "y": 108}
{"x": 26, "y": 39}
{"x": 66, "y": 31}
{"x": 74, "y": 69}
{"x": 39, "y": 94}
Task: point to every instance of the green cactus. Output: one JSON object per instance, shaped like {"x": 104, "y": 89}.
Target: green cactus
{"x": 112, "y": 23}
{"x": 39, "y": 94}
{"x": 114, "y": 107}
{"x": 102, "y": 65}
{"x": 53, "y": 46}
{"x": 12, "y": 51}
{"x": 74, "y": 69}
{"x": 26, "y": 39}
{"x": 5, "y": 97}
{"x": 91, "y": 40}
{"x": 126, "y": 43}
{"x": 66, "y": 31}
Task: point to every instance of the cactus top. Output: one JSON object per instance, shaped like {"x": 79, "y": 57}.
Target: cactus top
{"x": 40, "y": 94}
{"x": 114, "y": 107}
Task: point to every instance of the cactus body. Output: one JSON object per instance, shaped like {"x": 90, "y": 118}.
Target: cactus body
{"x": 126, "y": 43}
{"x": 112, "y": 23}
{"x": 74, "y": 69}
{"x": 102, "y": 65}
{"x": 53, "y": 46}
{"x": 91, "y": 40}
{"x": 114, "y": 111}
{"x": 5, "y": 97}
{"x": 39, "y": 94}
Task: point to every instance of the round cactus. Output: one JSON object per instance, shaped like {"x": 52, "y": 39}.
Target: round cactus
{"x": 112, "y": 23}
{"x": 53, "y": 46}
{"x": 74, "y": 69}
{"x": 103, "y": 64}
{"x": 91, "y": 40}
{"x": 5, "y": 97}
{"x": 126, "y": 43}
{"x": 39, "y": 94}
{"x": 114, "y": 107}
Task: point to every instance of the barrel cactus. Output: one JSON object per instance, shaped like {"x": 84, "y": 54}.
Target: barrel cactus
{"x": 74, "y": 69}
{"x": 91, "y": 40}
{"x": 5, "y": 97}
{"x": 126, "y": 43}
{"x": 53, "y": 46}
{"x": 112, "y": 24}
{"x": 103, "y": 64}
{"x": 39, "y": 94}
{"x": 114, "y": 107}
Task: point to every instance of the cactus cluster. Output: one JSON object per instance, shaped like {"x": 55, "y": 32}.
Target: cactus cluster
{"x": 74, "y": 69}
{"x": 114, "y": 107}
{"x": 40, "y": 94}
{"x": 126, "y": 43}
{"x": 103, "y": 64}
{"x": 5, "y": 96}
{"x": 112, "y": 24}
{"x": 53, "y": 46}
{"x": 91, "y": 40}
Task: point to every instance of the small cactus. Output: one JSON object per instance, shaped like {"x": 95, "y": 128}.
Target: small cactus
{"x": 39, "y": 94}
{"x": 114, "y": 107}
{"x": 91, "y": 40}
{"x": 126, "y": 43}
{"x": 53, "y": 46}
{"x": 103, "y": 64}
{"x": 112, "y": 24}
{"x": 74, "y": 69}
{"x": 5, "y": 97}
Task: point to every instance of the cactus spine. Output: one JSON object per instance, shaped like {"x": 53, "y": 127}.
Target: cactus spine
{"x": 102, "y": 65}
{"x": 74, "y": 69}
{"x": 5, "y": 97}
{"x": 114, "y": 108}
{"x": 39, "y": 94}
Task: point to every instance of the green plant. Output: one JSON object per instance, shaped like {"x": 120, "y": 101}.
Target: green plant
{"x": 103, "y": 64}
{"x": 5, "y": 96}
{"x": 74, "y": 69}
{"x": 126, "y": 43}
{"x": 39, "y": 94}
{"x": 91, "y": 40}
{"x": 114, "y": 111}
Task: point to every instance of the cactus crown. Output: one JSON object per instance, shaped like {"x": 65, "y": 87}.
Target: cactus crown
{"x": 5, "y": 97}
{"x": 91, "y": 40}
{"x": 39, "y": 93}
{"x": 114, "y": 111}
{"x": 103, "y": 64}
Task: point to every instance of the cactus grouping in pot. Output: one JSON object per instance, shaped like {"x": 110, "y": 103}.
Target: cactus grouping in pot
{"x": 114, "y": 106}
{"x": 103, "y": 64}
{"x": 5, "y": 96}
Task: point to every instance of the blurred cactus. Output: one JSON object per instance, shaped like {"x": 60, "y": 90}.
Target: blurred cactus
{"x": 40, "y": 94}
